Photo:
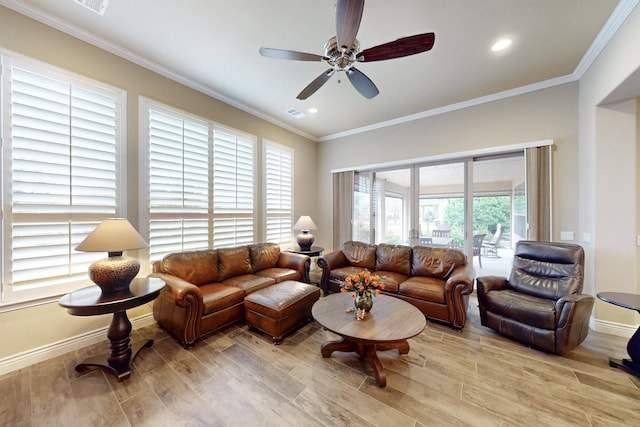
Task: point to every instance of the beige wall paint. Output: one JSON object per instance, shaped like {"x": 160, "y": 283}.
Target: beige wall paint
{"x": 541, "y": 115}
{"x": 34, "y": 327}
{"x": 609, "y": 171}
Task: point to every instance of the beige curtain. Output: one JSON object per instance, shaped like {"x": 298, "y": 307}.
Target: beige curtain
{"x": 342, "y": 207}
{"x": 538, "y": 179}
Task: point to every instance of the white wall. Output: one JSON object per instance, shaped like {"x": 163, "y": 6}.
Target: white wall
{"x": 609, "y": 169}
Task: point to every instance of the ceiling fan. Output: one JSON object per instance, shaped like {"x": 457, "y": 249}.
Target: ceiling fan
{"x": 343, "y": 51}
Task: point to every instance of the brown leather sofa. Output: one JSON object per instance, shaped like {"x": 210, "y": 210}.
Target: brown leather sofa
{"x": 437, "y": 281}
{"x": 205, "y": 289}
{"x": 541, "y": 303}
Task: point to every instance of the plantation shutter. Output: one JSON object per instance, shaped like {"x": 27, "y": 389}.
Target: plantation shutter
{"x": 63, "y": 139}
{"x": 178, "y": 184}
{"x": 233, "y": 188}
{"x": 278, "y": 192}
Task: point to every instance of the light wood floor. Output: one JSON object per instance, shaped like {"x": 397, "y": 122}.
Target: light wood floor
{"x": 237, "y": 377}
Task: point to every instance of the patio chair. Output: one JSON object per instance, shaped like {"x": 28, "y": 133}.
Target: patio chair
{"x": 441, "y": 233}
{"x": 477, "y": 247}
{"x": 490, "y": 248}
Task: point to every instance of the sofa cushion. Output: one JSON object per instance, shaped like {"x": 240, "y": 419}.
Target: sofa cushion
{"x": 341, "y": 273}
{"x": 435, "y": 262}
{"x": 526, "y": 309}
{"x": 216, "y": 296}
{"x": 249, "y": 282}
{"x": 360, "y": 254}
{"x": 197, "y": 267}
{"x": 391, "y": 280}
{"x": 280, "y": 274}
{"x": 233, "y": 262}
{"x": 423, "y": 288}
{"x": 395, "y": 258}
{"x": 263, "y": 255}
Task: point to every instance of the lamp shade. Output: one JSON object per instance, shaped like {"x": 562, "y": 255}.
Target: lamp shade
{"x": 113, "y": 235}
{"x": 305, "y": 223}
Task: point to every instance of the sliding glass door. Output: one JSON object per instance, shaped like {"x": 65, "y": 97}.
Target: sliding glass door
{"x": 476, "y": 205}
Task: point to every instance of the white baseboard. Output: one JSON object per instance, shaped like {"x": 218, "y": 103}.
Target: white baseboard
{"x": 613, "y": 328}
{"x": 49, "y": 351}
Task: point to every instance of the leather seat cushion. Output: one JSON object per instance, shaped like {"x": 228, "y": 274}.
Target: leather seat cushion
{"x": 249, "y": 282}
{"x": 217, "y": 296}
{"x": 423, "y": 288}
{"x": 391, "y": 280}
{"x": 528, "y": 309}
{"x": 279, "y": 274}
{"x": 341, "y": 273}
{"x": 281, "y": 300}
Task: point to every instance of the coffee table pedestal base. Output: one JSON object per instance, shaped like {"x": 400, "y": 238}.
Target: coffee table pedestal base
{"x": 369, "y": 352}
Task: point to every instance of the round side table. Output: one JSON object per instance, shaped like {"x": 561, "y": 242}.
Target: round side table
{"x": 91, "y": 302}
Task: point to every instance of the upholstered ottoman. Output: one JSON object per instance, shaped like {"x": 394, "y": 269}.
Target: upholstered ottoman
{"x": 281, "y": 308}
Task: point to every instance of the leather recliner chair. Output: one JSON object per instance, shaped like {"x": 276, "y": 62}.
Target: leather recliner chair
{"x": 541, "y": 303}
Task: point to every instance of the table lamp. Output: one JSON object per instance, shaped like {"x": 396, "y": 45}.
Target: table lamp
{"x": 305, "y": 239}
{"x": 113, "y": 235}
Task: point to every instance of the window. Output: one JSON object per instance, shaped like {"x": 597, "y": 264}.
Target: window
{"x": 178, "y": 183}
{"x": 278, "y": 173}
{"x": 62, "y": 175}
{"x": 201, "y": 182}
{"x": 233, "y": 184}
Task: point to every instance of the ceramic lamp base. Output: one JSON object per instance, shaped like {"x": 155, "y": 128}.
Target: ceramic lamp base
{"x": 305, "y": 240}
{"x": 114, "y": 274}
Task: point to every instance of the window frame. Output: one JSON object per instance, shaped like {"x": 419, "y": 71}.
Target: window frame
{"x": 13, "y": 296}
{"x": 266, "y": 145}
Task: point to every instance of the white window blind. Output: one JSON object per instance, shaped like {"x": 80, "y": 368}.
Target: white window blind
{"x": 201, "y": 183}
{"x": 278, "y": 167}
{"x": 233, "y": 188}
{"x": 62, "y": 151}
{"x": 178, "y": 184}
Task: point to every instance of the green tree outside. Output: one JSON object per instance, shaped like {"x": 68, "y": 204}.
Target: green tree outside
{"x": 488, "y": 212}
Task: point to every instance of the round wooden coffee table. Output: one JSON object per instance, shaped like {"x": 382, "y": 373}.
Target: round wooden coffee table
{"x": 389, "y": 324}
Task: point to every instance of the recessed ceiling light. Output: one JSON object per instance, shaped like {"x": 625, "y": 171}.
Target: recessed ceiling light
{"x": 501, "y": 45}
{"x": 312, "y": 110}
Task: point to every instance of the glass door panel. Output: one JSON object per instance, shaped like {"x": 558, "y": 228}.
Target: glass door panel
{"x": 393, "y": 206}
{"x": 498, "y": 212}
{"x": 441, "y": 212}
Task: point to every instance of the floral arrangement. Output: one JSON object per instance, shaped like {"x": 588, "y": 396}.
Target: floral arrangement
{"x": 362, "y": 284}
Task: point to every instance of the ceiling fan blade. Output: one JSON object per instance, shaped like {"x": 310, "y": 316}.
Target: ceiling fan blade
{"x": 289, "y": 54}
{"x": 362, "y": 83}
{"x": 396, "y": 49}
{"x": 316, "y": 84}
{"x": 348, "y": 16}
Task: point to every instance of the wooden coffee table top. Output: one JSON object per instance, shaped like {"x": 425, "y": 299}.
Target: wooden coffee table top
{"x": 390, "y": 319}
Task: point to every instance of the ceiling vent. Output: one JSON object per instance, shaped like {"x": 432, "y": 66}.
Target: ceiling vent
{"x": 296, "y": 113}
{"x": 98, "y": 6}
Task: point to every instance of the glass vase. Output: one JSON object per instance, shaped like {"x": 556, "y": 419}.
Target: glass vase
{"x": 364, "y": 301}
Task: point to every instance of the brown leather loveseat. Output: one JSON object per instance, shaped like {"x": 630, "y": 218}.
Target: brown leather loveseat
{"x": 437, "y": 281}
{"x": 205, "y": 289}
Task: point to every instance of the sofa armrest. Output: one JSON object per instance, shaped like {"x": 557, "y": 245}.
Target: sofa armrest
{"x": 297, "y": 262}
{"x": 574, "y": 308}
{"x": 456, "y": 290}
{"x": 327, "y": 262}
{"x": 490, "y": 283}
{"x": 185, "y": 293}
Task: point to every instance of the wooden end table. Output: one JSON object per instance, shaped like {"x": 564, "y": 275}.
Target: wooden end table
{"x": 90, "y": 302}
{"x": 631, "y": 302}
{"x": 313, "y": 253}
{"x": 389, "y": 324}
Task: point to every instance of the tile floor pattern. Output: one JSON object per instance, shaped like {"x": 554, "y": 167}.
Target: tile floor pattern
{"x": 238, "y": 378}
